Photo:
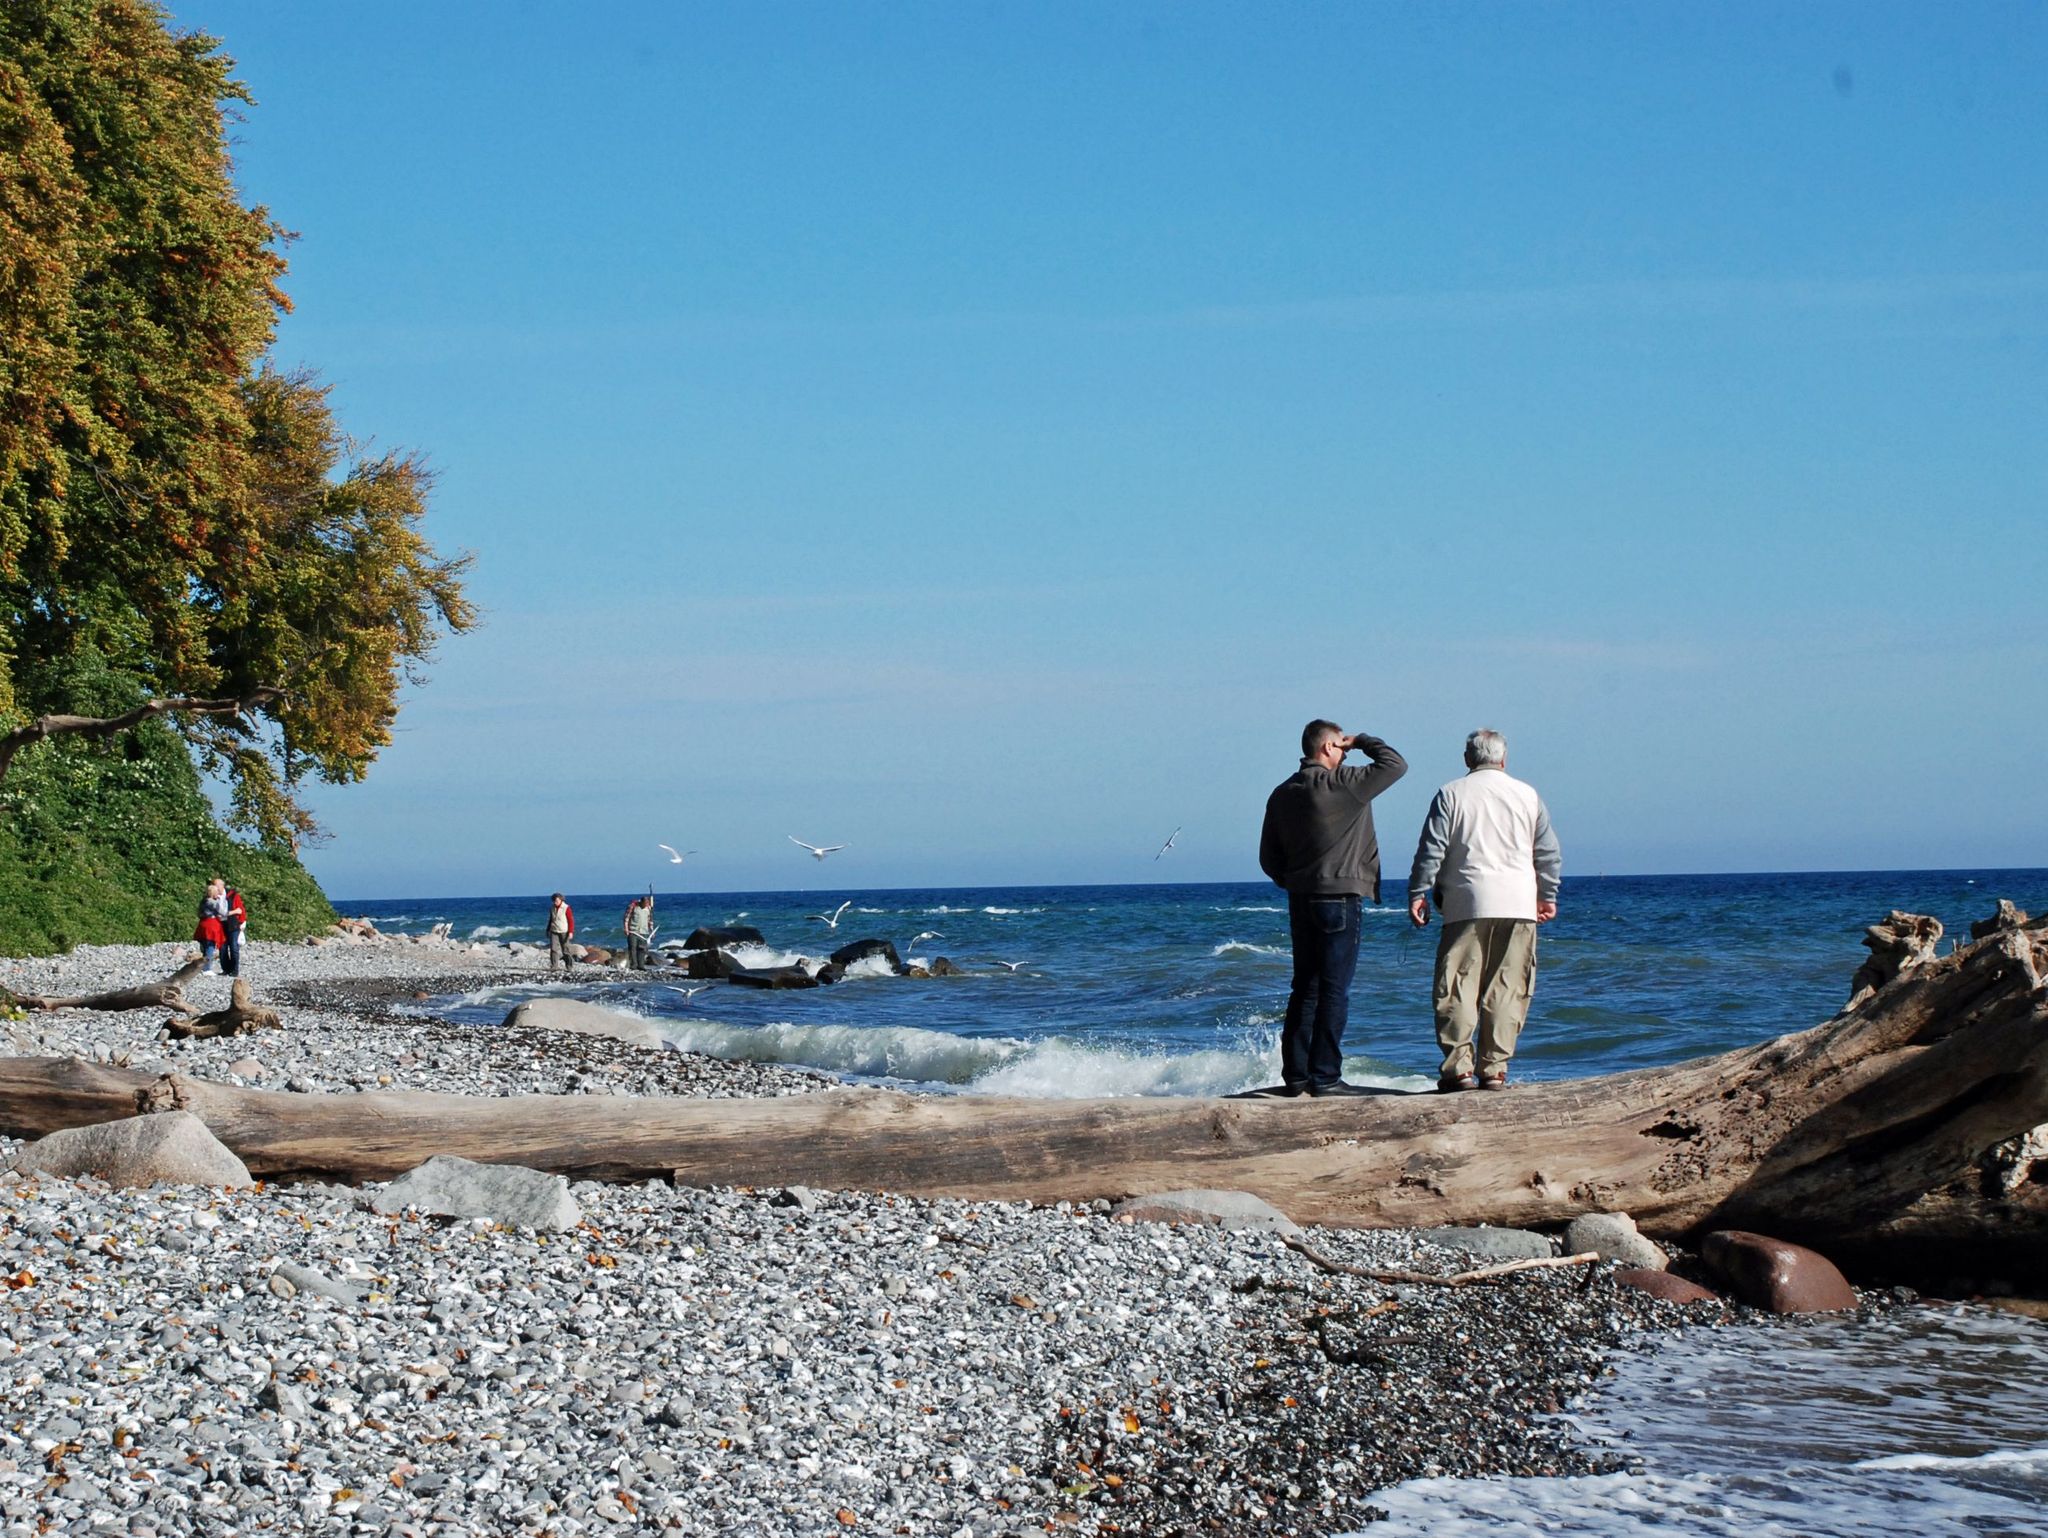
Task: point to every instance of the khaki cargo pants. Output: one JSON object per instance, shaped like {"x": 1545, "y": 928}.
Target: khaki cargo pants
{"x": 1485, "y": 975}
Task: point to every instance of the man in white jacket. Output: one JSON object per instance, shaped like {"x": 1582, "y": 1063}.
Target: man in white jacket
{"x": 1490, "y": 860}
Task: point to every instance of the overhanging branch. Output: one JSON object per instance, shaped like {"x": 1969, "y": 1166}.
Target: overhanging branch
{"x": 45, "y": 727}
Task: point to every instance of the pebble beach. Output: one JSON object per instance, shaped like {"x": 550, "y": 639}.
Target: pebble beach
{"x": 284, "y": 1358}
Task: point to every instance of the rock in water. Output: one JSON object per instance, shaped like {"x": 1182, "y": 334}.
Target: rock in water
{"x": 731, "y": 934}
{"x": 504, "y": 1193}
{"x": 171, "y": 1148}
{"x": 581, "y": 1019}
{"x": 1773, "y": 1275}
{"x": 860, "y": 950}
{"x": 772, "y": 977}
{"x": 1222, "y": 1209}
{"x": 1613, "y": 1236}
{"x": 709, "y": 966}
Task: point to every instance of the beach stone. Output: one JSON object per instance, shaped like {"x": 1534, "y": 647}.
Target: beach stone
{"x": 1613, "y": 1236}
{"x": 246, "y": 1068}
{"x": 771, "y": 977}
{"x": 173, "y": 1148}
{"x": 504, "y": 1193}
{"x": 305, "y": 1279}
{"x": 940, "y": 966}
{"x": 860, "y": 950}
{"x": 1219, "y": 1209}
{"x": 581, "y": 1019}
{"x": 597, "y": 955}
{"x": 797, "y": 1196}
{"x": 1773, "y": 1275}
{"x": 1663, "y": 1284}
{"x": 706, "y": 939}
{"x": 1491, "y": 1243}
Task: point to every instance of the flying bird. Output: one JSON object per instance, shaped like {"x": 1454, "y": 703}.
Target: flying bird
{"x": 1007, "y": 965}
{"x": 1167, "y": 845}
{"x": 818, "y": 851}
{"x": 831, "y": 920}
{"x": 691, "y": 993}
{"x": 922, "y": 936}
{"x": 675, "y": 858}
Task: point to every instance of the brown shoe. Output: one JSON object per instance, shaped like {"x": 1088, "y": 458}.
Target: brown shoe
{"x": 1493, "y": 1081}
{"x": 1451, "y": 1083}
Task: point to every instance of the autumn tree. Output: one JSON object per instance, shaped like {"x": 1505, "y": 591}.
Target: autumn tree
{"x": 180, "y": 520}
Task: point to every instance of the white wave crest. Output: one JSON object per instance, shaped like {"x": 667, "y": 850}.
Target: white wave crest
{"x": 1247, "y": 948}
{"x": 1252, "y": 908}
{"x": 869, "y": 966}
{"x": 2025, "y": 1457}
{"x": 766, "y": 957}
{"x": 491, "y": 931}
{"x": 1006, "y": 912}
{"x": 899, "y": 1052}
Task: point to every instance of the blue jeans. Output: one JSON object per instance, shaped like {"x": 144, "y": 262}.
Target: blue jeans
{"x": 1325, "y": 935}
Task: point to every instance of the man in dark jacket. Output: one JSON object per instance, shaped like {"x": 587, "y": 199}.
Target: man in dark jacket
{"x": 1318, "y": 844}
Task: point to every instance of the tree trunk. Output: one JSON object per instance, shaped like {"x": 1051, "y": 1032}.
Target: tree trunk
{"x": 240, "y": 1015}
{"x": 168, "y": 994}
{"x": 1904, "y": 1121}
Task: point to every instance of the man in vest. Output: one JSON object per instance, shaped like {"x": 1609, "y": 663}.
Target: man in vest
{"x": 1318, "y": 844}
{"x": 561, "y": 935}
{"x": 639, "y": 928}
{"x": 1491, "y": 862}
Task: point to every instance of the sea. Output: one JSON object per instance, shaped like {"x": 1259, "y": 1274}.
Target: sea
{"x": 1932, "y": 1421}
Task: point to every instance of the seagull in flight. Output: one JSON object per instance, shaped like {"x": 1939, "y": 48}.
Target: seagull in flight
{"x": 691, "y": 993}
{"x": 1167, "y": 845}
{"x": 818, "y": 851}
{"x": 921, "y": 936}
{"x": 1006, "y": 965}
{"x": 675, "y": 857}
{"x": 831, "y": 920}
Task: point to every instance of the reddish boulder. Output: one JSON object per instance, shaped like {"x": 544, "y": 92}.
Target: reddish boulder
{"x": 1775, "y": 1276}
{"x": 1662, "y": 1284}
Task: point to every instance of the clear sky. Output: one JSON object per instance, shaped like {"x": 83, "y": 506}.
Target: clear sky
{"x": 983, "y": 434}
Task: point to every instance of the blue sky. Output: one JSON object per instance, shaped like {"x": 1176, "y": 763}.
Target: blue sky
{"x": 983, "y": 435}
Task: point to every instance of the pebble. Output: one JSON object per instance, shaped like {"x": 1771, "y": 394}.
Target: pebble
{"x": 696, "y": 1362}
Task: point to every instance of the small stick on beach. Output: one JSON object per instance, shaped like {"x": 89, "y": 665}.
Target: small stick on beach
{"x": 1462, "y": 1279}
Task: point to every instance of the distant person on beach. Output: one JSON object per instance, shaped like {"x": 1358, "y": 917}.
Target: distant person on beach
{"x": 233, "y": 927}
{"x": 639, "y": 931}
{"x": 1318, "y": 845}
{"x": 1490, "y": 861}
{"x": 212, "y": 933}
{"x": 561, "y": 932}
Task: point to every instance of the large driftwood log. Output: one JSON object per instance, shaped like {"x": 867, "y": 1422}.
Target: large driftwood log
{"x": 168, "y": 994}
{"x": 1883, "y": 1127}
{"x": 242, "y": 1014}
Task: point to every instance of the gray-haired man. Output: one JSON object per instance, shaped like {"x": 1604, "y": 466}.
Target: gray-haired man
{"x": 1490, "y": 859}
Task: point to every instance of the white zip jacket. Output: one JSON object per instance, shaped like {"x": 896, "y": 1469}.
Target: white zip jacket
{"x": 1488, "y": 850}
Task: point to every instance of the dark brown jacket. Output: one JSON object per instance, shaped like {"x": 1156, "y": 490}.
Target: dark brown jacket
{"x": 1318, "y": 838}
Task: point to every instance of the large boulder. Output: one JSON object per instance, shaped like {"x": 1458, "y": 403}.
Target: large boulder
{"x": 940, "y": 966}
{"x": 171, "y": 1148}
{"x": 1218, "y": 1209}
{"x": 771, "y": 977}
{"x": 861, "y": 950}
{"x": 1613, "y": 1236}
{"x": 1491, "y": 1243}
{"x": 581, "y": 1019}
{"x": 597, "y": 956}
{"x": 504, "y": 1193}
{"x": 1773, "y": 1275}
{"x": 731, "y": 934}
{"x": 1665, "y": 1285}
{"x": 709, "y": 966}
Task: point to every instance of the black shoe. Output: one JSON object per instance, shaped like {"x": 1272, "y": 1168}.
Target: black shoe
{"x": 1450, "y": 1084}
{"x": 1280, "y": 1092}
{"x": 1337, "y": 1087}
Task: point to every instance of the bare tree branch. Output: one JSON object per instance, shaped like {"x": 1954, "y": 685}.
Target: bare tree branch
{"x": 44, "y": 727}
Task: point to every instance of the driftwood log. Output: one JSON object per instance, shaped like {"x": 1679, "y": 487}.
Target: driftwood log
{"x": 1915, "y": 1121}
{"x": 168, "y": 994}
{"x": 242, "y": 1014}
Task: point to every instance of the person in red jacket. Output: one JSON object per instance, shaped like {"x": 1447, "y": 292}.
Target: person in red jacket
{"x": 212, "y": 933}
{"x": 232, "y": 927}
{"x": 561, "y": 931}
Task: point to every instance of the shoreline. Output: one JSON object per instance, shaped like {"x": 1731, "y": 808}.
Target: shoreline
{"x": 715, "y": 1360}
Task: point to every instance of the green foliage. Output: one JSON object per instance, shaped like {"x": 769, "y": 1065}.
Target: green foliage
{"x": 170, "y": 505}
{"x": 114, "y": 842}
